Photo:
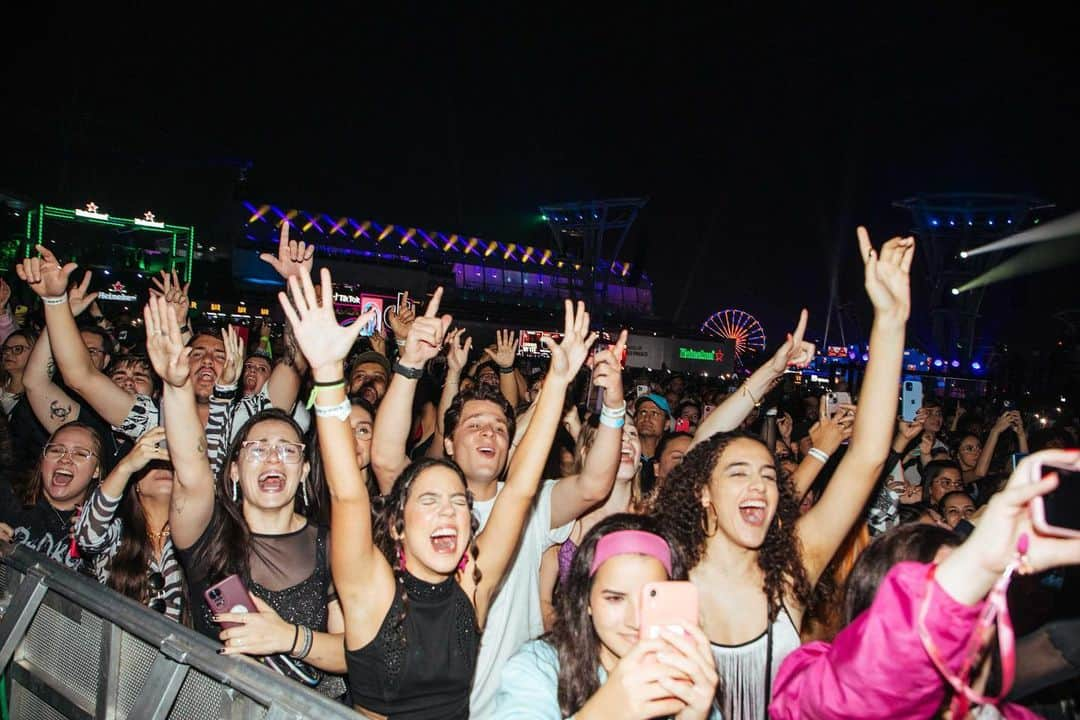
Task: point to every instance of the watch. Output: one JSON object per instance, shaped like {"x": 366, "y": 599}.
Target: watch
{"x": 411, "y": 373}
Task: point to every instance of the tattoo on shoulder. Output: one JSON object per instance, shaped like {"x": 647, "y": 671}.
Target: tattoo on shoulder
{"x": 200, "y": 447}
{"x": 58, "y": 411}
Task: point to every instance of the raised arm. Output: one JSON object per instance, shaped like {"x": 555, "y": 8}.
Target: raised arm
{"x": 499, "y": 539}
{"x": 729, "y": 414}
{"x": 573, "y": 496}
{"x": 283, "y": 385}
{"x": 824, "y": 527}
{"x": 827, "y": 434}
{"x": 51, "y": 405}
{"x": 176, "y": 295}
{"x": 457, "y": 354}
{"x": 1009, "y": 420}
{"x": 192, "y": 504}
{"x": 506, "y": 345}
{"x": 393, "y": 422}
{"x": 363, "y": 579}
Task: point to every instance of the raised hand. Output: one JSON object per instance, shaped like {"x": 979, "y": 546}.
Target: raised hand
{"x": 457, "y": 350}
{"x": 323, "y": 341}
{"x": 829, "y": 432}
{"x": 145, "y": 451}
{"x": 886, "y": 277}
{"x": 506, "y": 345}
{"x": 568, "y": 356}
{"x": 169, "y": 287}
{"x": 45, "y": 275}
{"x": 785, "y": 425}
{"x": 401, "y": 318}
{"x": 292, "y": 256}
{"x": 426, "y": 335}
{"x": 78, "y": 299}
{"x": 909, "y": 430}
{"x": 607, "y": 372}
{"x": 234, "y": 357}
{"x": 164, "y": 346}
{"x": 795, "y": 351}
{"x": 378, "y": 342}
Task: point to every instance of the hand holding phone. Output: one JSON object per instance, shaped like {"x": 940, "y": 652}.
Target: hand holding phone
{"x": 912, "y": 402}
{"x": 229, "y": 596}
{"x": 1057, "y": 513}
{"x": 667, "y": 605}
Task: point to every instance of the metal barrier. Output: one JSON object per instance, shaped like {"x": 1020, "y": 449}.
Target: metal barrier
{"x": 71, "y": 648}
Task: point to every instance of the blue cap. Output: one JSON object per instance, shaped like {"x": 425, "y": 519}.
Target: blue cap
{"x": 659, "y": 400}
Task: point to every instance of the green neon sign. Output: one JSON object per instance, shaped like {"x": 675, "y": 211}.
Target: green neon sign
{"x": 686, "y": 353}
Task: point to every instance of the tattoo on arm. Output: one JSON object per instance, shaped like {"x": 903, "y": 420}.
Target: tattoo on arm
{"x": 58, "y": 411}
{"x": 50, "y": 367}
{"x": 200, "y": 447}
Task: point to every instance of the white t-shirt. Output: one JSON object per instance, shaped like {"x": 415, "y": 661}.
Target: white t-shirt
{"x": 514, "y": 617}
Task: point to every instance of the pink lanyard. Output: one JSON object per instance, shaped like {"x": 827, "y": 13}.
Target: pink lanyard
{"x": 996, "y": 608}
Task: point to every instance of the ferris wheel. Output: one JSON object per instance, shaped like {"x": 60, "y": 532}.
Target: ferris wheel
{"x": 737, "y": 325}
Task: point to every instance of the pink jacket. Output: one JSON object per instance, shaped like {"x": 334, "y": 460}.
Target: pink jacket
{"x": 876, "y": 667}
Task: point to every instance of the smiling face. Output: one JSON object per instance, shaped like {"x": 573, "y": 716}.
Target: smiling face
{"x": 744, "y": 492}
{"x": 268, "y": 481}
{"x": 630, "y": 456}
{"x": 207, "y": 362}
{"x": 70, "y": 461}
{"x": 614, "y": 600}
{"x": 438, "y": 524}
{"x": 256, "y": 373}
{"x": 480, "y": 441}
{"x": 133, "y": 376}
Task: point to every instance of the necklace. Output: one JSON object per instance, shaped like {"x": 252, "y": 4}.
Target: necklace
{"x": 159, "y": 536}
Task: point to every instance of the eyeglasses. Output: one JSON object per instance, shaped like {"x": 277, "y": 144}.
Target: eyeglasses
{"x": 970, "y": 448}
{"x": 95, "y": 352}
{"x": 288, "y": 453}
{"x": 57, "y": 452}
{"x": 14, "y": 350}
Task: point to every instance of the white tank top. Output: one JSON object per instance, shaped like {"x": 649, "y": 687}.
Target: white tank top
{"x": 742, "y": 669}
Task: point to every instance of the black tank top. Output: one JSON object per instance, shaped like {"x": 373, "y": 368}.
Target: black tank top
{"x": 419, "y": 668}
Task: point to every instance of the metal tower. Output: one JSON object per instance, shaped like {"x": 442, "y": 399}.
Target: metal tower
{"x": 945, "y": 224}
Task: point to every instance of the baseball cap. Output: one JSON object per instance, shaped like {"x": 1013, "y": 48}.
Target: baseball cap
{"x": 658, "y": 400}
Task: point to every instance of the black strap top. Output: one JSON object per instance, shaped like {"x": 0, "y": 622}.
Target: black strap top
{"x": 421, "y": 662}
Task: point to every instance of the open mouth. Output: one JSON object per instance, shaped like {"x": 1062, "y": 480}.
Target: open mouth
{"x": 488, "y": 452}
{"x": 753, "y": 512}
{"x": 444, "y": 540}
{"x": 205, "y": 375}
{"x": 272, "y": 481}
{"x": 62, "y": 477}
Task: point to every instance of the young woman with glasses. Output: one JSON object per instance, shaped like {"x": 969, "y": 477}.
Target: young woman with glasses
{"x": 70, "y": 465}
{"x": 124, "y": 526}
{"x": 14, "y": 353}
{"x": 246, "y": 522}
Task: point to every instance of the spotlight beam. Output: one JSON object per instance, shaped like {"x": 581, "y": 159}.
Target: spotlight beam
{"x": 1027, "y": 261}
{"x": 1062, "y": 227}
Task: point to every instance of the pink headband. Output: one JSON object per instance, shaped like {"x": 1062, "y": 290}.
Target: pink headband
{"x": 631, "y": 542}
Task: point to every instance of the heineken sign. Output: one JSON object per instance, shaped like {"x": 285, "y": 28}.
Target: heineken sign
{"x": 709, "y": 355}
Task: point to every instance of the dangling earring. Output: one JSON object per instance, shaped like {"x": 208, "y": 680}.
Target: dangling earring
{"x": 401, "y": 557}
{"x": 235, "y": 490}
{"x": 303, "y": 487}
{"x": 464, "y": 563}
{"x": 710, "y": 510}
{"x": 779, "y": 523}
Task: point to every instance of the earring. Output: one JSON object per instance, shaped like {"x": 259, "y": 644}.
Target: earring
{"x": 235, "y": 490}
{"x": 779, "y": 523}
{"x": 401, "y": 557}
{"x": 464, "y": 561}
{"x": 710, "y": 510}
{"x": 303, "y": 487}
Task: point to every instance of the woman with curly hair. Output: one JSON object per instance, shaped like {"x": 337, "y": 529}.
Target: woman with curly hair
{"x": 753, "y": 557}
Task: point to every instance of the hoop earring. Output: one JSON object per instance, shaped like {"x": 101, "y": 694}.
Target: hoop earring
{"x": 710, "y": 509}
{"x": 235, "y": 490}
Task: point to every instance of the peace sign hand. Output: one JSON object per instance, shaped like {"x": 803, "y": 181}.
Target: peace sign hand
{"x": 795, "y": 351}
{"x": 887, "y": 278}
{"x": 78, "y": 299}
{"x": 44, "y": 274}
{"x": 292, "y": 256}
{"x": 457, "y": 351}
{"x": 568, "y": 356}
{"x": 323, "y": 341}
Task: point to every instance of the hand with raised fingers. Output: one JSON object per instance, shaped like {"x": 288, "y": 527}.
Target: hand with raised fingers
{"x": 45, "y": 275}
{"x": 830, "y": 432}
{"x": 505, "y": 352}
{"x": 690, "y": 655}
{"x": 145, "y": 451}
{"x": 785, "y": 425}
{"x": 401, "y": 318}
{"x": 164, "y": 346}
{"x": 633, "y": 690}
{"x": 887, "y": 276}
{"x": 78, "y": 298}
{"x": 378, "y": 342}
{"x": 426, "y": 334}
{"x": 568, "y": 356}
{"x": 607, "y": 372}
{"x": 292, "y": 255}
{"x": 234, "y": 357}
{"x": 323, "y": 340}
{"x": 457, "y": 350}
{"x": 795, "y": 351}
{"x": 169, "y": 287}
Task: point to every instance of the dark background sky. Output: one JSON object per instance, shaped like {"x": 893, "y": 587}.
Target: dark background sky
{"x": 766, "y": 132}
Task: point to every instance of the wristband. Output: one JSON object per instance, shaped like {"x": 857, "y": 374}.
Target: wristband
{"x": 613, "y": 413}
{"x": 612, "y": 422}
{"x": 818, "y": 454}
{"x": 340, "y": 411}
{"x": 506, "y": 370}
{"x": 408, "y": 372}
{"x": 58, "y": 300}
{"x": 399, "y": 342}
{"x": 225, "y": 392}
{"x": 295, "y": 637}
{"x": 320, "y": 386}
{"x": 309, "y": 637}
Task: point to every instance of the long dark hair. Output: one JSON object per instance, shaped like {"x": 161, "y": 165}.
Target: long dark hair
{"x": 318, "y": 490}
{"x": 572, "y": 634}
{"x": 916, "y": 542}
{"x": 388, "y": 525}
{"x": 229, "y": 546}
{"x": 682, "y": 517}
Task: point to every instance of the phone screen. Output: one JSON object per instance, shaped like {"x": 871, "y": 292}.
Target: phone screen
{"x": 1062, "y": 506}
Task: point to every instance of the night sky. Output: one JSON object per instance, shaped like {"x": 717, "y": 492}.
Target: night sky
{"x": 761, "y": 136}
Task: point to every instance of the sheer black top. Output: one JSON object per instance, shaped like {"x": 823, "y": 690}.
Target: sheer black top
{"x": 421, "y": 663}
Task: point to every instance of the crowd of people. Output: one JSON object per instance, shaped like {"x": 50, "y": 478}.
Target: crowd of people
{"x": 426, "y": 531}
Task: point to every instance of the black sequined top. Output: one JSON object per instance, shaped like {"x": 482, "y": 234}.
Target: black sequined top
{"x": 419, "y": 668}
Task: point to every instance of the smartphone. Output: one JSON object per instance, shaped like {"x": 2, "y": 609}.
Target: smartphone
{"x": 835, "y": 399}
{"x": 1016, "y": 458}
{"x": 667, "y": 605}
{"x": 1058, "y": 512}
{"x": 595, "y": 398}
{"x": 229, "y": 596}
{"x": 682, "y": 425}
{"x": 1007, "y": 405}
{"x": 706, "y": 409}
{"x": 912, "y": 399}
{"x": 642, "y": 390}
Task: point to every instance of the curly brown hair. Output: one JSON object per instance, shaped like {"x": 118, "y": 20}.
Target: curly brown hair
{"x": 681, "y": 515}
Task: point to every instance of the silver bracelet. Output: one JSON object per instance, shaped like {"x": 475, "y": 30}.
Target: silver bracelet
{"x": 309, "y": 640}
{"x": 58, "y": 300}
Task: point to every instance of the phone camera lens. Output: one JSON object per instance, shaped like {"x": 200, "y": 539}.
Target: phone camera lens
{"x": 652, "y": 593}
